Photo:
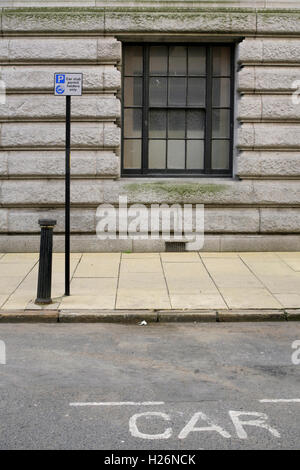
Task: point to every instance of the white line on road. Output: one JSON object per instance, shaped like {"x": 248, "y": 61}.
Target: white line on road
{"x": 119, "y": 403}
{"x": 281, "y": 400}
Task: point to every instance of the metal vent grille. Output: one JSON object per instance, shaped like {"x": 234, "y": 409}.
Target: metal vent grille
{"x": 175, "y": 246}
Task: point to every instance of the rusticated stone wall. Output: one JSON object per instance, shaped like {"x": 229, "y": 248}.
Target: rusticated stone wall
{"x": 257, "y": 209}
{"x": 270, "y": 134}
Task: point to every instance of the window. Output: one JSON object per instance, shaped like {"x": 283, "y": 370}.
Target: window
{"x": 177, "y": 110}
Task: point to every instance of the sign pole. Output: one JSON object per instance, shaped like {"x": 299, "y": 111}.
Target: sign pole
{"x": 68, "y": 84}
{"x": 67, "y": 201}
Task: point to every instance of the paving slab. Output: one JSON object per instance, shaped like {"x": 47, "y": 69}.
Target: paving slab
{"x": 289, "y": 300}
{"x": 142, "y": 282}
{"x": 19, "y": 258}
{"x": 219, "y": 255}
{"x": 188, "y": 278}
{"x": 17, "y": 301}
{"x": 258, "y": 254}
{"x": 58, "y": 288}
{"x": 203, "y": 301}
{"x": 148, "y": 265}
{"x": 98, "y": 266}
{"x": 58, "y": 266}
{"x": 3, "y": 299}
{"x": 9, "y": 284}
{"x": 106, "y": 256}
{"x": 291, "y": 259}
{"x": 15, "y": 269}
{"x": 249, "y": 298}
{"x": 28, "y": 285}
{"x": 178, "y": 257}
{"x": 140, "y": 255}
{"x": 94, "y": 286}
{"x": 62, "y": 256}
{"x": 231, "y": 272}
{"x": 274, "y": 273}
{"x": 147, "y": 299}
{"x": 88, "y": 302}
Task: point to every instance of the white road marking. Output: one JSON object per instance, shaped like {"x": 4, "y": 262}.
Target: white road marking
{"x": 119, "y": 403}
{"x": 134, "y": 431}
{"x": 190, "y": 427}
{"x": 281, "y": 400}
{"x": 260, "y": 422}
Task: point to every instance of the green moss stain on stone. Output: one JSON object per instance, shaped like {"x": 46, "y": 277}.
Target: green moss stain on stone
{"x": 178, "y": 190}
{"x": 61, "y": 10}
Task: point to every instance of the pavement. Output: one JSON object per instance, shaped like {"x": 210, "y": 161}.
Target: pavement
{"x": 169, "y": 386}
{"x": 150, "y": 286}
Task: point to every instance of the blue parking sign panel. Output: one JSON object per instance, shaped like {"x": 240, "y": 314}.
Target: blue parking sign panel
{"x": 60, "y": 78}
{"x": 68, "y": 84}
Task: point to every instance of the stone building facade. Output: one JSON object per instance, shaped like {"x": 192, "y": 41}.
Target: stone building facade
{"x": 252, "y": 203}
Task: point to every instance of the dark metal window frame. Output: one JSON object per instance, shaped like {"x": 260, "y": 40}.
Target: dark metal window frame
{"x": 207, "y": 171}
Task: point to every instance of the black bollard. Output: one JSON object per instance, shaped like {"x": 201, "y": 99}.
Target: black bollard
{"x": 45, "y": 262}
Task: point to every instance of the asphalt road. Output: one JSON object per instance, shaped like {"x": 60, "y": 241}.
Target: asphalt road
{"x": 195, "y": 376}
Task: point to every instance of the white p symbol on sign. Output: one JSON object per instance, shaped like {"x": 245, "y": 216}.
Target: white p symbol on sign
{"x": 60, "y": 78}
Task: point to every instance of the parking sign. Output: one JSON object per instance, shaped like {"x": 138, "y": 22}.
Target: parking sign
{"x": 68, "y": 84}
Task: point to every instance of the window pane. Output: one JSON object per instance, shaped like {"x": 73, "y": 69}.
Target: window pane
{"x": 221, "y": 61}
{"x": 195, "y": 155}
{"x": 158, "y": 60}
{"x": 157, "y": 123}
{"x": 158, "y": 91}
{"x": 133, "y": 92}
{"x": 176, "y": 124}
{"x": 132, "y": 154}
{"x": 176, "y": 154}
{"x": 177, "y": 60}
{"x": 221, "y": 123}
{"x": 157, "y": 154}
{"x": 176, "y": 110}
{"x": 195, "y": 124}
{"x": 133, "y": 60}
{"x": 221, "y": 92}
{"x": 132, "y": 123}
{"x": 196, "y": 92}
{"x": 177, "y": 91}
{"x": 197, "y": 60}
{"x": 220, "y": 155}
